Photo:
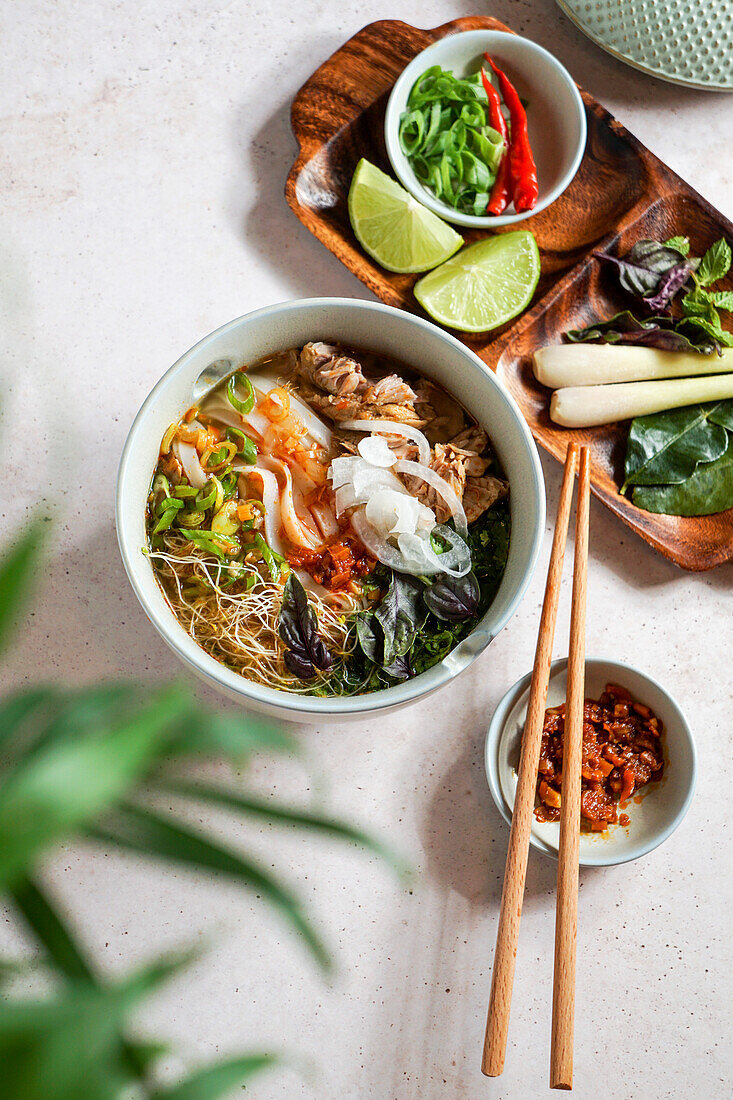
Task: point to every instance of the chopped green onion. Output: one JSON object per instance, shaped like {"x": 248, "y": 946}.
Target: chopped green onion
{"x": 184, "y": 491}
{"x": 212, "y": 543}
{"x": 191, "y": 518}
{"x": 273, "y": 561}
{"x": 161, "y": 485}
{"x": 206, "y": 497}
{"x": 245, "y": 446}
{"x": 241, "y": 405}
{"x": 167, "y": 510}
{"x": 217, "y": 457}
{"x": 446, "y": 136}
{"x": 228, "y": 482}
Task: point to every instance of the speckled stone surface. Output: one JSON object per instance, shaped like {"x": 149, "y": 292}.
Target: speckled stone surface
{"x": 144, "y": 148}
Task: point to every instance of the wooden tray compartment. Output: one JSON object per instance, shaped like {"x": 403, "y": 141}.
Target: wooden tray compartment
{"x": 621, "y": 192}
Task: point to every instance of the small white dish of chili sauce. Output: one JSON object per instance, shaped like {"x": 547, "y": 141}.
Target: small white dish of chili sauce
{"x": 640, "y": 762}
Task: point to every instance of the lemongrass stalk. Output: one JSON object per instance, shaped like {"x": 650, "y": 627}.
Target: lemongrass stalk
{"x": 560, "y": 365}
{"x": 587, "y": 406}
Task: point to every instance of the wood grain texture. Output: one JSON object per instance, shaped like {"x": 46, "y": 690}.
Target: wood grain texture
{"x": 566, "y": 916}
{"x": 621, "y": 192}
{"x": 515, "y": 872}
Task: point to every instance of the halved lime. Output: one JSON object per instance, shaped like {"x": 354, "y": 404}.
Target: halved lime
{"x": 393, "y": 227}
{"x": 485, "y": 285}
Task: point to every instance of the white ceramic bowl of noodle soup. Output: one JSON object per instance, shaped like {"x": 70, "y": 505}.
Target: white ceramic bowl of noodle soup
{"x": 359, "y": 324}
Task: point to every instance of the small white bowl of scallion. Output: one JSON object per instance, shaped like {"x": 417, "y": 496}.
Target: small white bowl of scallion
{"x": 441, "y": 143}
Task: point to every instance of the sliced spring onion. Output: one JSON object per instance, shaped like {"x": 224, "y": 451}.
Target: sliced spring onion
{"x": 212, "y": 543}
{"x": 161, "y": 484}
{"x": 245, "y": 446}
{"x": 167, "y": 510}
{"x": 446, "y": 136}
{"x": 242, "y": 405}
{"x": 228, "y": 482}
{"x": 206, "y": 497}
{"x": 183, "y": 491}
{"x": 192, "y": 518}
{"x": 274, "y": 562}
{"x": 226, "y": 520}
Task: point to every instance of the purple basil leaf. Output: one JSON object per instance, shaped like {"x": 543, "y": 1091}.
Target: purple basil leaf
{"x": 653, "y": 332}
{"x": 298, "y": 629}
{"x": 672, "y": 281}
{"x": 453, "y": 599}
{"x": 640, "y": 270}
{"x": 400, "y": 668}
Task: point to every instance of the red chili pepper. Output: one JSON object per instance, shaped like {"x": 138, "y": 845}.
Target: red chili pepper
{"x": 522, "y": 167}
{"x": 499, "y": 198}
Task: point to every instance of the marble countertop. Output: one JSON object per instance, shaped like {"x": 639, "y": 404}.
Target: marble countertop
{"x": 143, "y": 154}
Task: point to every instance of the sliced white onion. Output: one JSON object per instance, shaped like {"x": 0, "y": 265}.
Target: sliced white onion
{"x": 392, "y": 513}
{"x": 375, "y": 450}
{"x": 391, "y": 427}
{"x": 442, "y": 488}
{"x": 188, "y": 457}
{"x": 456, "y": 561}
{"x": 386, "y": 553}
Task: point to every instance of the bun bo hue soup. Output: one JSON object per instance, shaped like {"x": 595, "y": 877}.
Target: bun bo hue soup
{"x": 328, "y": 522}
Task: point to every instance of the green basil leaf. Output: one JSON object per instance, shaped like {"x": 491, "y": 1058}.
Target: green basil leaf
{"x": 400, "y": 615}
{"x": 682, "y": 244}
{"x": 715, "y": 264}
{"x": 723, "y": 299}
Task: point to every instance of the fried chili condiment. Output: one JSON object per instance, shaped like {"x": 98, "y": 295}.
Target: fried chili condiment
{"x": 622, "y": 751}
{"x": 337, "y": 565}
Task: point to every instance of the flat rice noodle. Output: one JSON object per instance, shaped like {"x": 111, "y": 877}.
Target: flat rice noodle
{"x": 188, "y": 457}
{"x": 391, "y": 427}
{"x": 263, "y": 381}
{"x": 325, "y": 518}
{"x": 270, "y": 491}
{"x": 441, "y": 486}
{"x": 299, "y": 529}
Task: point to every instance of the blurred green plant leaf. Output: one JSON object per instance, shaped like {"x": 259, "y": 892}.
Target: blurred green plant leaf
{"x": 18, "y": 567}
{"x": 67, "y": 1047}
{"x": 43, "y": 920}
{"x": 230, "y": 734}
{"x": 214, "y": 1081}
{"x": 147, "y": 833}
{"x": 56, "y": 791}
{"x": 281, "y": 815}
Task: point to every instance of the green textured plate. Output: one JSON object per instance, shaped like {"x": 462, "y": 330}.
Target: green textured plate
{"x": 684, "y": 41}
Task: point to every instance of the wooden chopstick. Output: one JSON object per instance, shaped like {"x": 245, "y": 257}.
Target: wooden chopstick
{"x": 566, "y": 920}
{"x": 515, "y": 873}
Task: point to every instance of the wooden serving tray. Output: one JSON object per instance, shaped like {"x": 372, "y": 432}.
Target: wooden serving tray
{"x": 621, "y": 192}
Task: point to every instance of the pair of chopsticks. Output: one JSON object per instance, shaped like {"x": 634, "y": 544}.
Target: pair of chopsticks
{"x": 563, "y": 999}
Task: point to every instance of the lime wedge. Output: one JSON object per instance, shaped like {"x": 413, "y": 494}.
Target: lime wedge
{"x": 485, "y": 285}
{"x": 393, "y": 227}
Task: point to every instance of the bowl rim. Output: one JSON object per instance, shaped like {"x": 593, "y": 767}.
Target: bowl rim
{"x": 273, "y": 699}
{"x": 493, "y": 737}
{"x": 410, "y": 182}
